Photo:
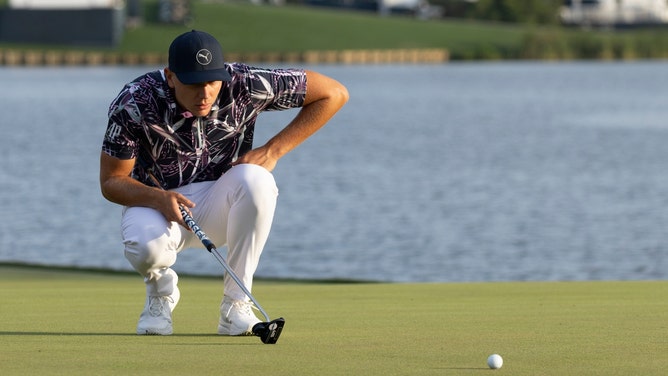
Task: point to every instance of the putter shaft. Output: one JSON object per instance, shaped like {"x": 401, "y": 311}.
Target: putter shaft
{"x": 188, "y": 219}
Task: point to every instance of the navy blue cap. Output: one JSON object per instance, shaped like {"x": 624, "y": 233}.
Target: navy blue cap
{"x": 197, "y": 57}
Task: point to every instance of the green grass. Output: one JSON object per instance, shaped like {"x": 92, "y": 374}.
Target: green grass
{"x": 80, "y": 323}
{"x": 244, "y": 28}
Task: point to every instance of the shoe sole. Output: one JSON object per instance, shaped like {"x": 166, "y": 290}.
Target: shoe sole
{"x": 223, "y": 331}
{"x": 149, "y": 332}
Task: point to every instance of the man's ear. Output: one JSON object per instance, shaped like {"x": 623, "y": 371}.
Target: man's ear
{"x": 170, "y": 76}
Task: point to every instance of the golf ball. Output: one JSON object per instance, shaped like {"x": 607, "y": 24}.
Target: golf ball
{"x": 495, "y": 361}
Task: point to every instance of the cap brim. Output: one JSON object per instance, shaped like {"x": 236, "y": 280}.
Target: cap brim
{"x": 197, "y": 77}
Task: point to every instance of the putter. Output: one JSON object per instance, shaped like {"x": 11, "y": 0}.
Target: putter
{"x": 268, "y": 331}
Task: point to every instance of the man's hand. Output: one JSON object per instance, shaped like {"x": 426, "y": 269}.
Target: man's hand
{"x": 259, "y": 156}
{"x": 169, "y": 203}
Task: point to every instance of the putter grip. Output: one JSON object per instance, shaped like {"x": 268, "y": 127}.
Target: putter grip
{"x": 197, "y": 230}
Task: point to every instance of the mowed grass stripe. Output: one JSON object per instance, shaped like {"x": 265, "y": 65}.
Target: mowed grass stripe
{"x": 74, "y": 323}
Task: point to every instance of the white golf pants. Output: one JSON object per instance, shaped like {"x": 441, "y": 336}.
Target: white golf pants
{"x": 236, "y": 210}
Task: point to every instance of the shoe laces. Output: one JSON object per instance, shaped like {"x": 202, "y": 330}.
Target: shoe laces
{"x": 243, "y": 308}
{"x": 159, "y": 305}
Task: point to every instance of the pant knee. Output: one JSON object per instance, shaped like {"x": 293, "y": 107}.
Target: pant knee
{"x": 149, "y": 251}
{"x": 254, "y": 203}
{"x": 255, "y": 182}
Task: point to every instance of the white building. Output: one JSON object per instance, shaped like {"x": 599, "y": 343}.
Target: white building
{"x": 614, "y": 12}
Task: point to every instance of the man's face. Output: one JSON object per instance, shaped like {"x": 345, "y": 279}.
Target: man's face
{"x": 196, "y": 98}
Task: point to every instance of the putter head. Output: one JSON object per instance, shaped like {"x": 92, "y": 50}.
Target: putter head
{"x": 269, "y": 331}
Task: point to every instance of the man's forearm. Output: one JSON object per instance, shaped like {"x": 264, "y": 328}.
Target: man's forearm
{"x": 126, "y": 191}
{"x": 308, "y": 121}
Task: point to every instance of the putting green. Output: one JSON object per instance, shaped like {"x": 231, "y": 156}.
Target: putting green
{"x": 73, "y": 323}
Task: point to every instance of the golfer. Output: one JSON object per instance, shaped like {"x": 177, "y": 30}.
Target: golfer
{"x": 189, "y": 129}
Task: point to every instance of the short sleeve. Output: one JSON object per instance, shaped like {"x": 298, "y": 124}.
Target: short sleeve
{"x": 118, "y": 140}
{"x": 277, "y": 89}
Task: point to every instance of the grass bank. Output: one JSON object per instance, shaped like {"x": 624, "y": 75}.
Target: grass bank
{"x": 244, "y": 28}
{"x": 248, "y": 29}
{"x": 74, "y": 323}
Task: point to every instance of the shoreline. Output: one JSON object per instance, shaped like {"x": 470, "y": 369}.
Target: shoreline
{"x": 15, "y": 58}
{"x": 27, "y": 266}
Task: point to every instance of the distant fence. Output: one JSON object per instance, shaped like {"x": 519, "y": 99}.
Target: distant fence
{"x": 13, "y": 57}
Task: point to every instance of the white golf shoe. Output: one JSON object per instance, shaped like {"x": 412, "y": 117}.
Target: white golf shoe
{"x": 236, "y": 318}
{"x": 156, "y": 318}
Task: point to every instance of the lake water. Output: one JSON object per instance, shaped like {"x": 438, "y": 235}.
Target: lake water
{"x": 505, "y": 171}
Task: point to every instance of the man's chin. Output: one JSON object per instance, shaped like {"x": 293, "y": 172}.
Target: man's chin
{"x": 200, "y": 112}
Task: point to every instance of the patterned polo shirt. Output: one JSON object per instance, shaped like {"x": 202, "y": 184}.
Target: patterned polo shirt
{"x": 146, "y": 123}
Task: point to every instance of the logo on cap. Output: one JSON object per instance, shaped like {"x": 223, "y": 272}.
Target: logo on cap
{"x": 204, "y": 56}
